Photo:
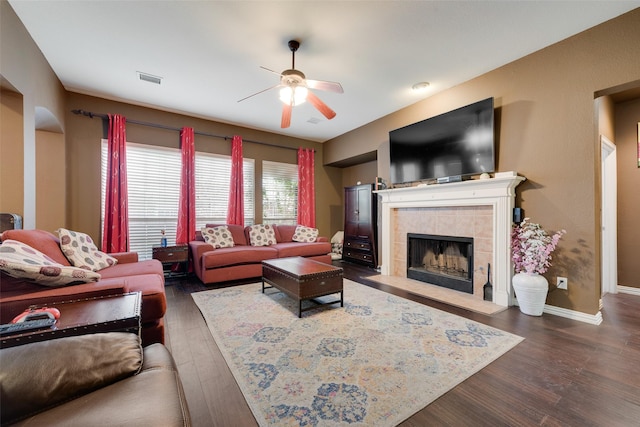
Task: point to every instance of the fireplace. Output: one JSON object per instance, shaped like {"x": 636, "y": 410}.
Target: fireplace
{"x": 441, "y": 260}
{"x": 478, "y": 208}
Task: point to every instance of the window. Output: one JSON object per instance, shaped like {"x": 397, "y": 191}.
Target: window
{"x": 279, "y": 193}
{"x": 213, "y": 173}
{"x": 153, "y": 175}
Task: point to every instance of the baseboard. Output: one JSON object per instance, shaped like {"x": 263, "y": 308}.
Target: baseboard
{"x": 593, "y": 319}
{"x": 628, "y": 290}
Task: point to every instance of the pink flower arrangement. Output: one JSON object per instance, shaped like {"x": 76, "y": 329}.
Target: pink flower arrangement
{"x": 531, "y": 247}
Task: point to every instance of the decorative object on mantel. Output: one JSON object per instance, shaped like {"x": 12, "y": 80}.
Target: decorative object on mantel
{"x": 531, "y": 248}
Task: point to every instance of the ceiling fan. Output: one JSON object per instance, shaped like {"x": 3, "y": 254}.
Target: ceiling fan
{"x": 295, "y": 89}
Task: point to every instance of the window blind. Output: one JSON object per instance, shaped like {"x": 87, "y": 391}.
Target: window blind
{"x": 279, "y": 193}
{"x": 213, "y": 173}
{"x": 153, "y": 175}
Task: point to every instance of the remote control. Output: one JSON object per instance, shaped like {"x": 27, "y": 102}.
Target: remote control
{"x": 16, "y": 328}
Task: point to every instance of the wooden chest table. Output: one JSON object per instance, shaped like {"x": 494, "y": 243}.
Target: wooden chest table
{"x": 303, "y": 279}
{"x": 115, "y": 313}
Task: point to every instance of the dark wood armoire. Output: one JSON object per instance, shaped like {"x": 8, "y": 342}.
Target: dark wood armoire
{"x": 360, "y": 225}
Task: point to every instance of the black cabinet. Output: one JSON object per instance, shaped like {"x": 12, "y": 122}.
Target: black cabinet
{"x": 360, "y": 228}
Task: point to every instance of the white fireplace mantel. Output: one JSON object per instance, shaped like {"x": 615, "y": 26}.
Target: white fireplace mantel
{"x": 499, "y": 193}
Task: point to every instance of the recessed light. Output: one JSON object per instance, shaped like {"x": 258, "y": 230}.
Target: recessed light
{"x": 420, "y": 86}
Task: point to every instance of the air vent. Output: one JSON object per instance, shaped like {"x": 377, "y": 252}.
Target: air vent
{"x": 314, "y": 120}
{"x": 149, "y": 78}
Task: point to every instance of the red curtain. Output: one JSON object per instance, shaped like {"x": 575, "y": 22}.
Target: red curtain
{"x": 235, "y": 212}
{"x": 306, "y": 188}
{"x": 115, "y": 233}
{"x": 187, "y": 206}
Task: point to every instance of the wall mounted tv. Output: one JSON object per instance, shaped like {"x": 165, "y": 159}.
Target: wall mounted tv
{"x": 447, "y": 147}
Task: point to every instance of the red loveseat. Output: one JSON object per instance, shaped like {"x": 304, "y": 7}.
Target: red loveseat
{"x": 128, "y": 275}
{"x": 243, "y": 261}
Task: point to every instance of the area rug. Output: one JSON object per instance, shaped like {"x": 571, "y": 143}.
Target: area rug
{"x": 375, "y": 362}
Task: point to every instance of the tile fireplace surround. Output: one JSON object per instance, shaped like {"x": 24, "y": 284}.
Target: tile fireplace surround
{"x": 480, "y": 208}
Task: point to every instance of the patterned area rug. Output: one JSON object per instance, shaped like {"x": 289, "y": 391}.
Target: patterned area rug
{"x": 377, "y": 361}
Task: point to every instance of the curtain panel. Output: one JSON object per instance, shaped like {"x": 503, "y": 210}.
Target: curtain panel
{"x": 306, "y": 188}
{"x": 186, "y": 230}
{"x": 235, "y": 211}
{"x": 115, "y": 233}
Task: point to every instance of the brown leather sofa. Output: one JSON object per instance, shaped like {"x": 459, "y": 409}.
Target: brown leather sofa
{"x": 243, "y": 261}
{"x": 91, "y": 380}
{"x": 128, "y": 275}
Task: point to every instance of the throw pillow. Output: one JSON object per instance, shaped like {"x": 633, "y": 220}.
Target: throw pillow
{"x": 23, "y": 262}
{"x": 218, "y": 237}
{"x": 305, "y": 234}
{"x": 82, "y": 252}
{"x": 262, "y": 235}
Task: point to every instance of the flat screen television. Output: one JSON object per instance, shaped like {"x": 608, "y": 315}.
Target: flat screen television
{"x": 453, "y": 145}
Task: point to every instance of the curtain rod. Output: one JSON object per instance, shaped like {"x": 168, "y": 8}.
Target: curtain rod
{"x": 159, "y": 126}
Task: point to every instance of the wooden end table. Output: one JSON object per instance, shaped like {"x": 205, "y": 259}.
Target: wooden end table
{"x": 169, "y": 255}
{"x": 114, "y": 313}
{"x": 303, "y": 279}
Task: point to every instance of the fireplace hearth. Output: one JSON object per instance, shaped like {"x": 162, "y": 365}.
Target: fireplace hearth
{"x": 445, "y": 261}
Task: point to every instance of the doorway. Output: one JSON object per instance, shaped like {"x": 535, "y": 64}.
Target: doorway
{"x": 609, "y": 238}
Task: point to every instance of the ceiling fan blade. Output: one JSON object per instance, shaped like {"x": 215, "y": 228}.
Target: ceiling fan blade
{"x": 286, "y": 116}
{"x": 320, "y": 106}
{"x": 323, "y": 85}
{"x": 270, "y": 70}
{"x": 258, "y": 93}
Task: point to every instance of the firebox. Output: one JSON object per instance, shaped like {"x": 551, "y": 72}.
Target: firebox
{"x": 441, "y": 260}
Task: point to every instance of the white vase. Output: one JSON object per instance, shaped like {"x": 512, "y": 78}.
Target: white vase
{"x": 531, "y": 291}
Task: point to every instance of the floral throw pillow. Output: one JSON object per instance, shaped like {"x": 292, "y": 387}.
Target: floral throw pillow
{"x": 82, "y": 252}
{"x": 24, "y": 262}
{"x": 218, "y": 237}
{"x": 305, "y": 234}
{"x": 262, "y": 235}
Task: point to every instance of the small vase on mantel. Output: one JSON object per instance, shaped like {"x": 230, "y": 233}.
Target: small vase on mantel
{"x": 531, "y": 291}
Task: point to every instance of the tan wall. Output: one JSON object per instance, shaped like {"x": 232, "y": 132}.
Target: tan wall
{"x": 25, "y": 70}
{"x": 50, "y": 181}
{"x": 627, "y": 118}
{"x": 11, "y": 154}
{"x": 547, "y": 133}
{"x": 605, "y": 110}
{"x": 83, "y": 157}
{"x": 365, "y": 173}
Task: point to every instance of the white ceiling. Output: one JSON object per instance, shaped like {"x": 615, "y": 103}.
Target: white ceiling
{"x": 209, "y": 53}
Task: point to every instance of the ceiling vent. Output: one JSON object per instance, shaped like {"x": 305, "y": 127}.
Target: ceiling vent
{"x": 149, "y": 78}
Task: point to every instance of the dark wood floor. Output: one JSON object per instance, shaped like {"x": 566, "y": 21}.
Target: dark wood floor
{"x": 565, "y": 373}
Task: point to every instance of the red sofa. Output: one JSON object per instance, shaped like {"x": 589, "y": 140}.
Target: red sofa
{"x": 128, "y": 275}
{"x": 243, "y": 261}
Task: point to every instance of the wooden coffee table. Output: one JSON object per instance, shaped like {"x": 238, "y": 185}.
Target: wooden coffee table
{"x": 114, "y": 313}
{"x": 303, "y": 279}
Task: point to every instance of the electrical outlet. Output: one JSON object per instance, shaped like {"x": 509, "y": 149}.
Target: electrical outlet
{"x": 562, "y": 282}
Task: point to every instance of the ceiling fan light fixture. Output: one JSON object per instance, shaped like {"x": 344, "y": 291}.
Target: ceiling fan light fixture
{"x": 295, "y": 94}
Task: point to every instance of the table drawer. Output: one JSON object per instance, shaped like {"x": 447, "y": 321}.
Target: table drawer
{"x": 171, "y": 254}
